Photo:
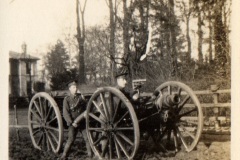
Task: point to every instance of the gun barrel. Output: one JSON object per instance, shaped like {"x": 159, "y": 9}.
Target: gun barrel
{"x": 167, "y": 101}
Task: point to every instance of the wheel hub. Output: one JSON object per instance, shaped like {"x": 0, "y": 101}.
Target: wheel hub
{"x": 109, "y": 127}
{"x": 42, "y": 123}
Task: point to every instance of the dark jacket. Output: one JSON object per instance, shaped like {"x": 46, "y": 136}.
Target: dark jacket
{"x": 73, "y": 106}
{"x": 127, "y": 93}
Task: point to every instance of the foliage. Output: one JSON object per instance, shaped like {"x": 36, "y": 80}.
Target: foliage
{"x": 57, "y": 65}
{"x": 190, "y": 42}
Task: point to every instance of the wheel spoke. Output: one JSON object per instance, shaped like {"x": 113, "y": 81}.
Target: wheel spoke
{"x": 183, "y": 103}
{"x": 96, "y": 129}
{"x": 182, "y": 138}
{"x": 45, "y": 108}
{"x": 110, "y": 106}
{"x": 35, "y": 115}
{"x": 54, "y": 136}
{"x": 48, "y": 114}
{"x": 40, "y": 103}
{"x": 188, "y": 112}
{"x": 96, "y": 118}
{"x": 186, "y": 131}
{"x": 104, "y": 106}
{"x": 104, "y": 150}
{"x": 117, "y": 149}
{"x": 40, "y": 139}
{"x": 52, "y": 128}
{"x": 121, "y": 118}
{"x": 110, "y": 146}
{"x": 123, "y": 128}
{"x": 179, "y": 91}
{"x": 50, "y": 140}
{"x": 99, "y": 109}
{"x": 48, "y": 146}
{"x": 44, "y": 141}
{"x": 188, "y": 122}
{"x": 36, "y": 105}
{"x": 175, "y": 139}
{"x": 34, "y": 122}
{"x": 35, "y": 132}
{"x": 125, "y": 138}
{"x": 52, "y": 120}
{"x": 121, "y": 146}
{"x": 98, "y": 140}
{"x": 116, "y": 110}
{"x": 169, "y": 90}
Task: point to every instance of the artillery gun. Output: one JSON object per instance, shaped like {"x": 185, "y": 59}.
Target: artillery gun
{"x": 171, "y": 116}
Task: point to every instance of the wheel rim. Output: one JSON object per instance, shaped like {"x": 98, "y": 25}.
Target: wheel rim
{"x": 185, "y": 122}
{"x": 45, "y": 123}
{"x": 112, "y": 125}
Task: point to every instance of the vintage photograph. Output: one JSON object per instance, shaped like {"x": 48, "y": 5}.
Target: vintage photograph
{"x": 118, "y": 79}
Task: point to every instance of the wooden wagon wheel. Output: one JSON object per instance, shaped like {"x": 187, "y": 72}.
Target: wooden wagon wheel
{"x": 185, "y": 119}
{"x": 112, "y": 125}
{"x": 45, "y": 123}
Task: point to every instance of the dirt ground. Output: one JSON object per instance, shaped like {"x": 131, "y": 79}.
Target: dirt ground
{"x": 214, "y": 147}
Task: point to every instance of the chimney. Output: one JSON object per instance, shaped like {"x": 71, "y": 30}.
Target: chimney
{"x": 24, "y": 49}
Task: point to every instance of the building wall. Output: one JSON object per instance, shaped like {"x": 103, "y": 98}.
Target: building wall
{"x": 19, "y": 79}
{"x": 14, "y": 78}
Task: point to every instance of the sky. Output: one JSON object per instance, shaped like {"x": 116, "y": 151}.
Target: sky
{"x": 41, "y": 22}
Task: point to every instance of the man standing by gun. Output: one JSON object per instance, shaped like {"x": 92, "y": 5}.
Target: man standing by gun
{"x": 73, "y": 106}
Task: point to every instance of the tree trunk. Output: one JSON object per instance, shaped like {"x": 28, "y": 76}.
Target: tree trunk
{"x": 126, "y": 41}
{"x": 173, "y": 39}
{"x": 125, "y": 29}
{"x": 210, "y": 37}
{"x": 80, "y": 39}
{"x": 200, "y": 36}
{"x": 220, "y": 41}
{"x": 189, "y": 49}
{"x": 112, "y": 41}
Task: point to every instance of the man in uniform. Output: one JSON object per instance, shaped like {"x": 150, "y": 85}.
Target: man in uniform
{"x": 73, "y": 106}
{"x": 121, "y": 78}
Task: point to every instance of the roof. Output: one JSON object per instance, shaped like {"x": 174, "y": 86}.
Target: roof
{"x": 15, "y": 55}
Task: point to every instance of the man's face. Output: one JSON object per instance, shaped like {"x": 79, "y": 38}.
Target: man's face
{"x": 121, "y": 81}
{"x": 73, "y": 89}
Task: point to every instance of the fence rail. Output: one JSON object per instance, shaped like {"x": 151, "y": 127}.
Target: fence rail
{"x": 214, "y": 92}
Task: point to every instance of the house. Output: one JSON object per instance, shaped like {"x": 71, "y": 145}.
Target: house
{"x": 23, "y": 73}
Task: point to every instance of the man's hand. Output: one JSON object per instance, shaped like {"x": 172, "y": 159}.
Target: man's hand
{"x": 74, "y": 124}
{"x": 69, "y": 124}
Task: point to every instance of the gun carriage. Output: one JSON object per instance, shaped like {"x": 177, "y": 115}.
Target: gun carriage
{"x": 116, "y": 122}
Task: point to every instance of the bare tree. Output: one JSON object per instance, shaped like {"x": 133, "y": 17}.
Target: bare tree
{"x": 81, "y": 38}
{"x": 112, "y": 27}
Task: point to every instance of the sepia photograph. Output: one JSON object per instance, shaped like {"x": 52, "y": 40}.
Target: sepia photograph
{"x": 119, "y": 79}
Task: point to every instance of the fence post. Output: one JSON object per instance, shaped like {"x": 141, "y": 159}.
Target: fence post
{"x": 16, "y": 121}
{"x": 214, "y": 89}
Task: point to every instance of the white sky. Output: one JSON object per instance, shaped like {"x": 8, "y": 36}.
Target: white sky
{"x": 41, "y": 22}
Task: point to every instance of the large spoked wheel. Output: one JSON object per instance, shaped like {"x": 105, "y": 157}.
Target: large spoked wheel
{"x": 45, "y": 123}
{"x": 183, "y": 122}
{"x": 112, "y": 125}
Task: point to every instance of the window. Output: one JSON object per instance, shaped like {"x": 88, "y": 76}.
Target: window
{"x": 29, "y": 88}
{"x": 28, "y": 67}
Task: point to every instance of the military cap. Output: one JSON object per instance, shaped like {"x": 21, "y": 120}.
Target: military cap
{"x": 71, "y": 83}
{"x": 121, "y": 71}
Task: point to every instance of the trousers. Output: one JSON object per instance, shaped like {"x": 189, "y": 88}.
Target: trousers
{"x": 72, "y": 133}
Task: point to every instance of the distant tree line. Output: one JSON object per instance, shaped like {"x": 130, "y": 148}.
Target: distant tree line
{"x": 179, "y": 29}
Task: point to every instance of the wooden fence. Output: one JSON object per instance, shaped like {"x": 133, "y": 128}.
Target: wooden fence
{"x": 215, "y": 105}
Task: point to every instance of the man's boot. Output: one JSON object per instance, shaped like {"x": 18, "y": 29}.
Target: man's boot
{"x": 66, "y": 149}
{"x": 89, "y": 150}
